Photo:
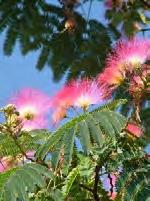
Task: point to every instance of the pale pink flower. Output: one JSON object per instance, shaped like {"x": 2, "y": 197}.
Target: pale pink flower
{"x": 32, "y": 106}
{"x": 87, "y": 93}
{"x": 134, "y": 129}
{"x": 30, "y": 154}
{"x": 78, "y": 93}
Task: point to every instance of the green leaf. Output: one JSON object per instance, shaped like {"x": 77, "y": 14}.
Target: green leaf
{"x": 69, "y": 181}
{"x": 17, "y": 183}
{"x": 134, "y": 183}
{"x": 92, "y": 128}
{"x": 84, "y": 135}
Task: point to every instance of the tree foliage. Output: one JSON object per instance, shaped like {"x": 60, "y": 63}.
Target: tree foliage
{"x": 74, "y": 161}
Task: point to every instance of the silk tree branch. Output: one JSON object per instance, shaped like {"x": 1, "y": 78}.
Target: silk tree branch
{"x": 96, "y": 181}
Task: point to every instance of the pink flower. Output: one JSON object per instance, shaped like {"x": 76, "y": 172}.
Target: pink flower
{"x": 134, "y": 129}
{"x": 125, "y": 58}
{"x": 64, "y": 98}
{"x": 32, "y": 106}
{"x": 87, "y": 93}
{"x": 78, "y": 93}
{"x": 111, "y": 78}
{"x": 130, "y": 54}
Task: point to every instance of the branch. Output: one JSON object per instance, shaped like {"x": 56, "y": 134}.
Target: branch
{"x": 41, "y": 162}
{"x": 111, "y": 183}
{"x": 21, "y": 150}
{"x": 95, "y": 189}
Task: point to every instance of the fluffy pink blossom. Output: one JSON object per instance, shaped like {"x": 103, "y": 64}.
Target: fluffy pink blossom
{"x": 32, "y": 106}
{"x": 130, "y": 54}
{"x": 127, "y": 56}
{"x": 111, "y": 78}
{"x": 78, "y": 93}
{"x": 87, "y": 93}
{"x": 134, "y": 129}
{"x": 64, "y": 98}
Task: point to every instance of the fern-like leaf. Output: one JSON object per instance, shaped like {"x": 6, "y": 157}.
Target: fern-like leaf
{"x": 17, "y": 183}
{"x": 62, "y": 141}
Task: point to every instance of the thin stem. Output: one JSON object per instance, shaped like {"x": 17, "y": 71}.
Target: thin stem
{"x": 95, "y": 189}
{"x": 111, "y": 183}
{"x": 88, "y": 15}
{"x": 21, "y": 150}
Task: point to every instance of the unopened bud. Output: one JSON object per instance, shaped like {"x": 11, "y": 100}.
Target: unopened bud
{"x": 10, "y": 109}
{"x": 70, "y": 24}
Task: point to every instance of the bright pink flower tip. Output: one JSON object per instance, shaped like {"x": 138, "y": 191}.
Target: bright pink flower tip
{"x": 87, "y": 93}
{"x": 78, "y": 93}
{"x": 134, "y": 130}
{"x": 125, "y": 57}
{"x": 32, "y": 106}
{"x": 131, "y": 53}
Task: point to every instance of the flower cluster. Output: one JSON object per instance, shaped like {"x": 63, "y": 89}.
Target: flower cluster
{"x": 126, "y": 58}
{"x": 32, "y": 106}
{"x": 127, "y": 62}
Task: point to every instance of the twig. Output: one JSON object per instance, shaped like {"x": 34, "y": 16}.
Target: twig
{"x": 21, "y": 150}
{"x": 95, "y": 189}
{"x": 89, "y": 10}
{"x": 111, "y": 183}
